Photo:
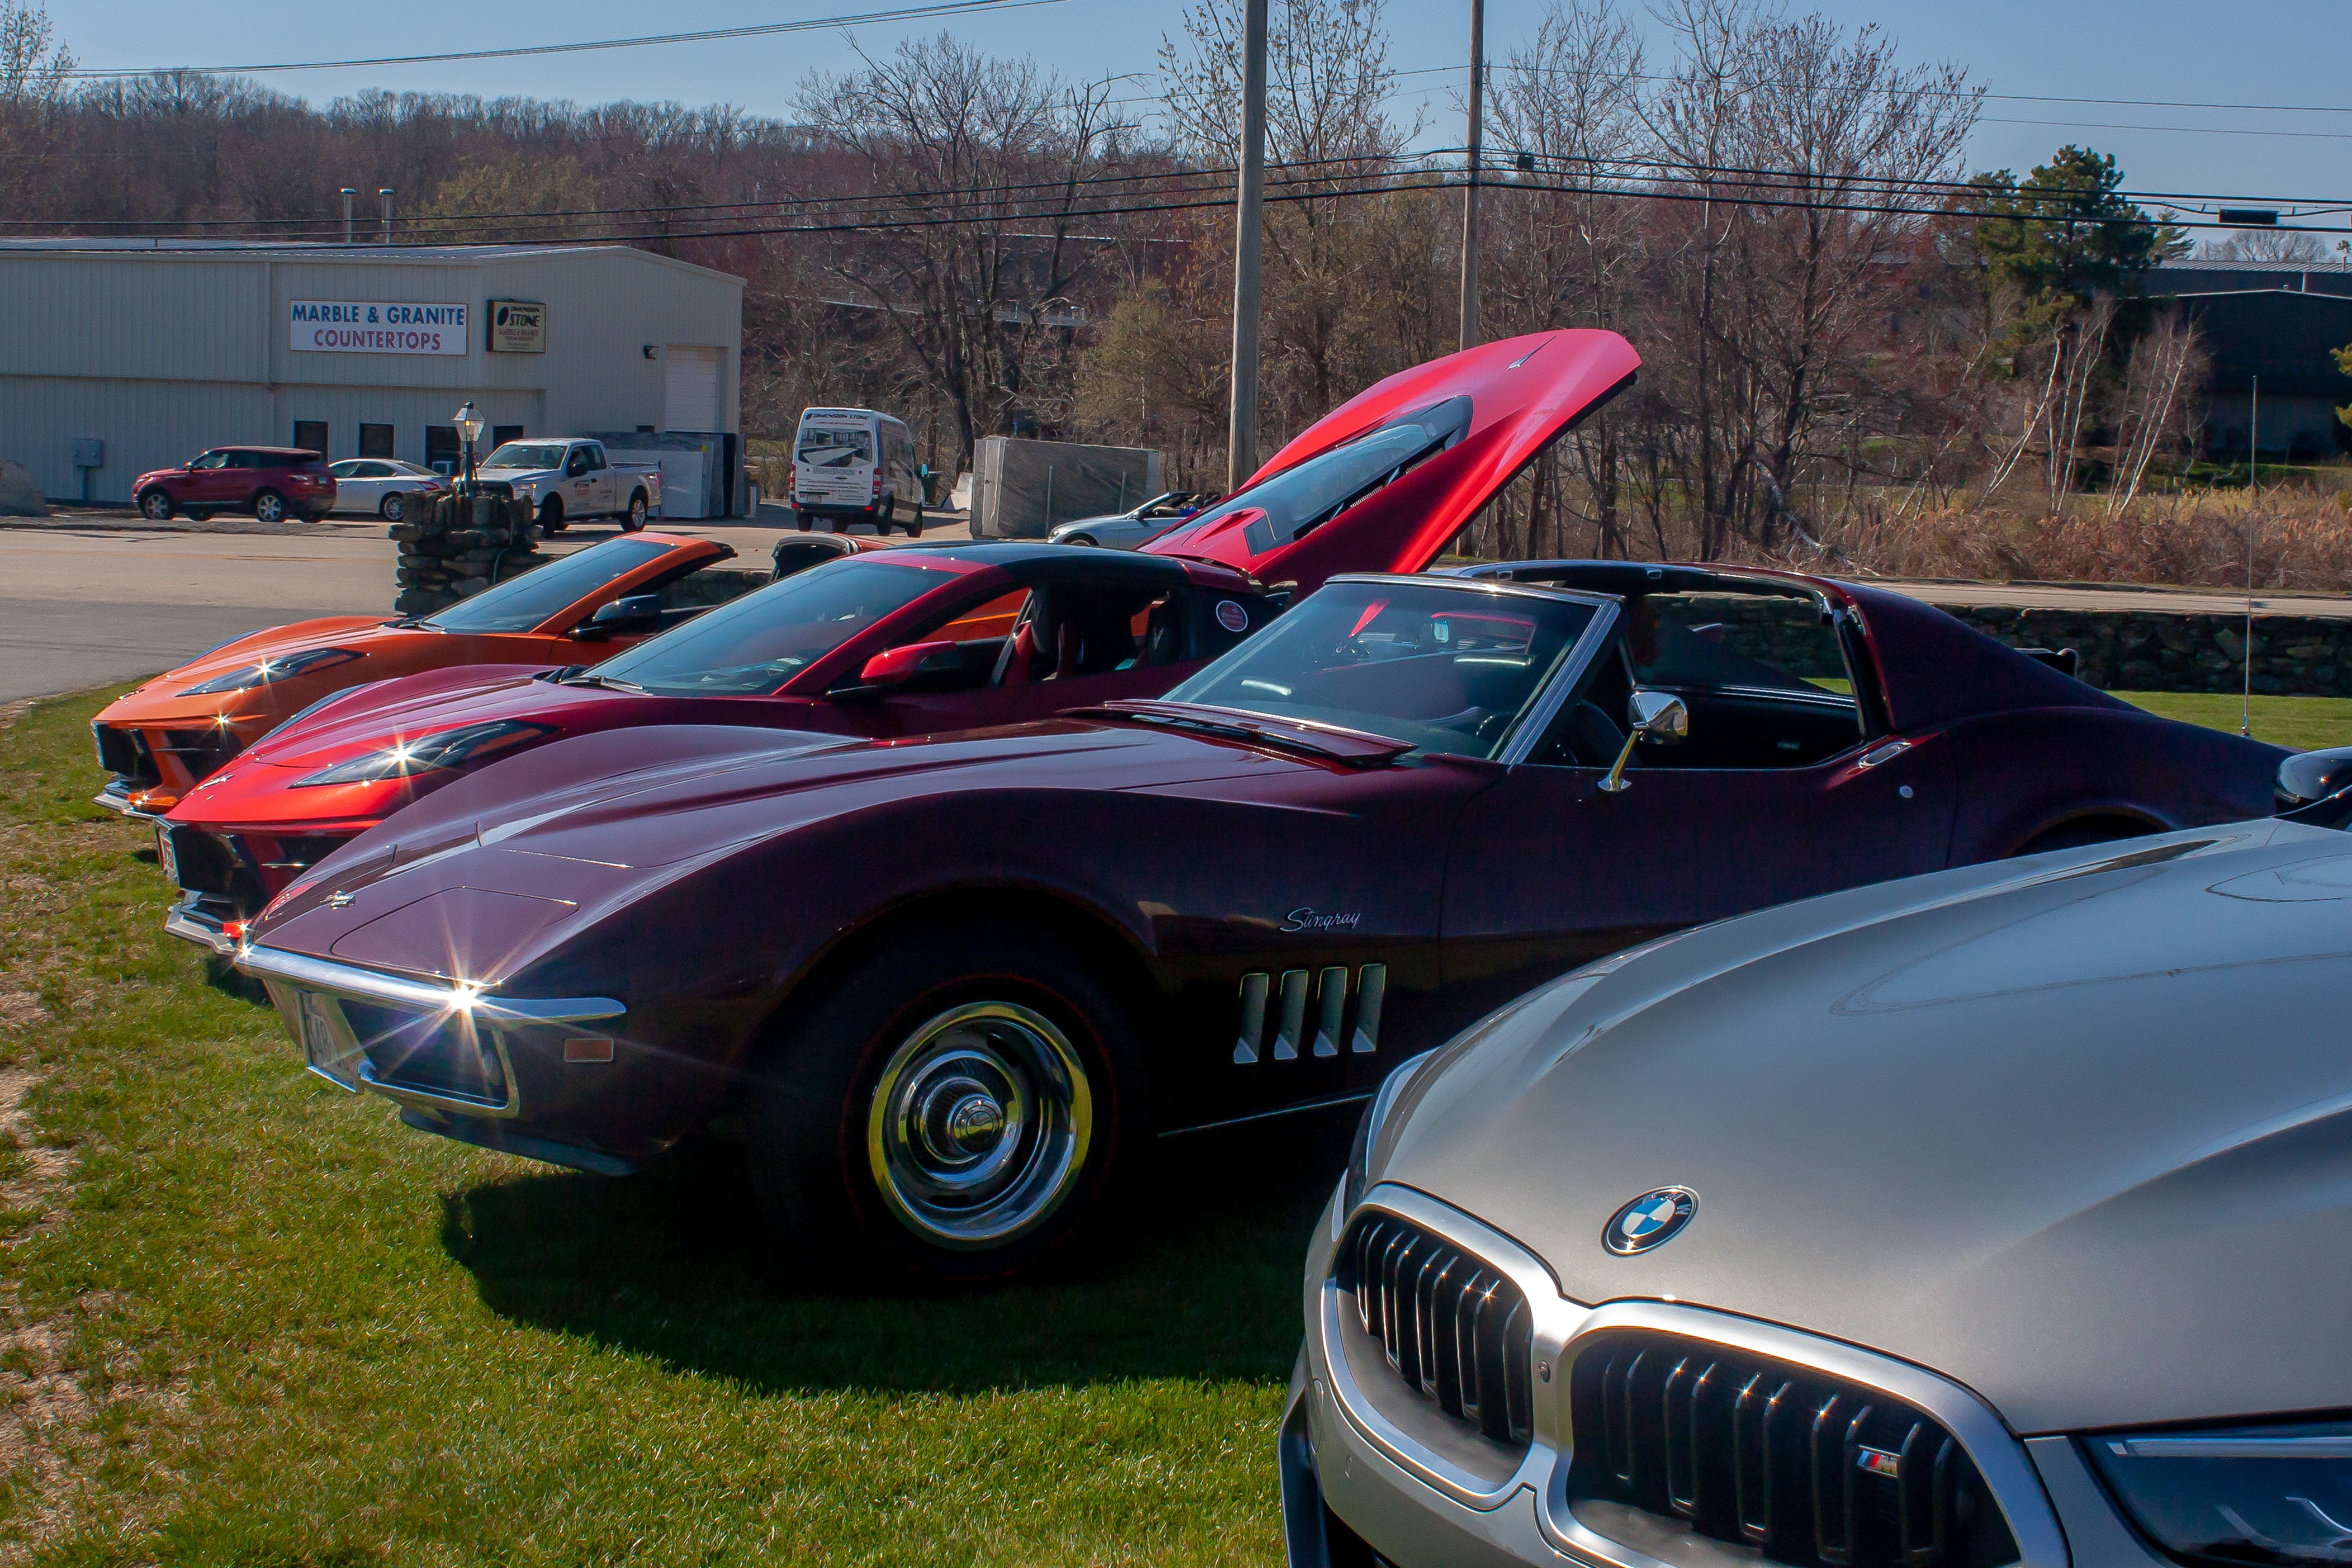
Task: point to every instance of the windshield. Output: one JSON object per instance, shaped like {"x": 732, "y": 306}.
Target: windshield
{"x": 527, "y": 455}
{"x": 1443, "y": 669}
{"x": 764, "y": 638}
{"x": 522, "y": 604}
{"x": 838, "y": 449}
{"x": 1300, "y": 499}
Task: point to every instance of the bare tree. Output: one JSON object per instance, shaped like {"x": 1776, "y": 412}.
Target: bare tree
{"x": 1568, "y": 242}
{"x": 2287, "y": 245}
{"x": 1353, "y": 283}
{"x": 979, "y": 161}
{"x": 1777, "y": 304}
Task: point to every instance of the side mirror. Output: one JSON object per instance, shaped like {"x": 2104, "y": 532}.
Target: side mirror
{"x": 2307, "y": 778}
{"x": 622, "y": 618}
{"x": 1657, "y": 717}
{"x": 899, "y": 666}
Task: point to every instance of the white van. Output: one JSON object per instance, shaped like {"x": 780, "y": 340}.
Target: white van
{"x": 854, "y": 465}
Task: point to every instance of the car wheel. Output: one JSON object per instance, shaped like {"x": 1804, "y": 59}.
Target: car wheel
{"x": 392, "y": 508}
{"x": 960, "y": 1113}
{"x": 1081, "y": 539}
{"x": 804, "y": 519}
{"x": 269, "y": 507}
{"x": 915, "y": 529}
{"x": 155, "y": 506}
{"x": 550, "y": 515}
{"x": 636, "y": 518}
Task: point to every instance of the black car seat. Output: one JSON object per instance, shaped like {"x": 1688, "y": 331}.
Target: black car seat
{"x": 1096, "y": 635}
{"x": 1163, "y": 634}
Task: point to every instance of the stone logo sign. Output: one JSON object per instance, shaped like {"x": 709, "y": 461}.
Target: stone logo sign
{"x": 378, "y": 327}
{"x": 518, "y": 327}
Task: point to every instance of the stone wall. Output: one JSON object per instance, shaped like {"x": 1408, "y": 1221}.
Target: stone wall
{"x": 2139, "y": 650}
{"x": 2117, "y": 650}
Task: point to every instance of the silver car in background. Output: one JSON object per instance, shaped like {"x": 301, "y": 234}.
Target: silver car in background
{"x": 2000, "y": 1215}
{"x": 1129, "y": 529}
{"x": 385, "y": 485}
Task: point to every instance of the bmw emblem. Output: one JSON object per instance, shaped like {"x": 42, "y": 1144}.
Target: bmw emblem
{"x": 1651, "y": 1220}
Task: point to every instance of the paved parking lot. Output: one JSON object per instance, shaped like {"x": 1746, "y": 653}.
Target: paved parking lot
{"x": 92, "y": 599}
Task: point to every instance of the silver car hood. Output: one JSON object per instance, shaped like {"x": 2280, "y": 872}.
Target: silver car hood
{"x": 2075, "y": 1131}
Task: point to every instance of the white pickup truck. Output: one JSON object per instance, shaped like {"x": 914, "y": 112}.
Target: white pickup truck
{"x": 567, "y": 480}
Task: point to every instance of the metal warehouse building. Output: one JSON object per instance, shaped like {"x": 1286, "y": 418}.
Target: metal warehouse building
{"x": 121, "y": 356}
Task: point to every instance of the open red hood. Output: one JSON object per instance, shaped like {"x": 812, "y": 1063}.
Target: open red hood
{"x": 1458, "y": 428}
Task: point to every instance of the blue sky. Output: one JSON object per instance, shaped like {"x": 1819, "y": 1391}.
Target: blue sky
{"x": 2266, "y": 52}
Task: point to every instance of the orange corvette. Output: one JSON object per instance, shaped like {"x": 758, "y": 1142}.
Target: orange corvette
{"x": 164, "y": 739}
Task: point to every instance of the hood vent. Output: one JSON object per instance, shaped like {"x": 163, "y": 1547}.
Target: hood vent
{"x": 1457, "y": 1330}
{"x": 1807, "y": 1469}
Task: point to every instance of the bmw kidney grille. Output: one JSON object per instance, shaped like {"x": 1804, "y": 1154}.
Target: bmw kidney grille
{"x": 1810, "y": 1470}
{"x": 1454, "y": 1329}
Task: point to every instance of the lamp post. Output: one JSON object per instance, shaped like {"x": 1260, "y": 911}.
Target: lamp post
{"x": 470, "y": 430}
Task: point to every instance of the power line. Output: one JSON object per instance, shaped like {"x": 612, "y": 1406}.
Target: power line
{"x": 1428, "y": 180}
{"x": 711, "y": 35}
{"x": 1724, "y": 182}
{"x": 2183, "y": 130}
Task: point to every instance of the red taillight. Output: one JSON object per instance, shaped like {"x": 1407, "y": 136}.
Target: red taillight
{"x": 234, "y": 930}
{"x": 878, "y": 481}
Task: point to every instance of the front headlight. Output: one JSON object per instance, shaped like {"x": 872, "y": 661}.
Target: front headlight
{"x": 304, "y": 663}
{"x": 2237, "y": 1495}
{"x": 1368, "y": 1130}
{"x": 457, "y": 748}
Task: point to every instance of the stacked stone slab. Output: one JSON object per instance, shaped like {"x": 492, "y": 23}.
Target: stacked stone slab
{"x": 459, "y": 546}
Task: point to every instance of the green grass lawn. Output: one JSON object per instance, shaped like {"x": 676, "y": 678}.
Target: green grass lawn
{"x": 253, "y": 1320}
{"x": 247, "y": 1319}
{"x": 2305, "y": 723}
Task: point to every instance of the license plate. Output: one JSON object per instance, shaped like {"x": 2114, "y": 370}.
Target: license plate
{"x": 322, "y": 1044}
{"x": 164, "y": 855}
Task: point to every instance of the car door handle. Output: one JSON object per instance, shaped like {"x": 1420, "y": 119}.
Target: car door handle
{"x": 1877, "y": 754}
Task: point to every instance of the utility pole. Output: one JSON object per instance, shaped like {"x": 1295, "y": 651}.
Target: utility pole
{"x": 350, "y": 195}
{"x": 1249, "y": 223}
{"x": 2253, "y": 496}
{"x": 1470, "y": 190}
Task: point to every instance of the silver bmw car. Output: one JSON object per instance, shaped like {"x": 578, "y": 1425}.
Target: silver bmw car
{"x": 2001, "y": 1215}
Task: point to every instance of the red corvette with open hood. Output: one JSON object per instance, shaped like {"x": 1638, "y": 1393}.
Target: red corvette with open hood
{"x": 920, "y": 639}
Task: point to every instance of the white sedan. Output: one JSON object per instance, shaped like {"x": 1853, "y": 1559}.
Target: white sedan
{"x": 381, "y": 485}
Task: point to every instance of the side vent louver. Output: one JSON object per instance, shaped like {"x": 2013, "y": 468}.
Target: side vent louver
{"x": 1283, "y": 999}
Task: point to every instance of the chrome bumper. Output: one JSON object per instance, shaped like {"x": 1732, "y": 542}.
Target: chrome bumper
{"x": 115, "y": 797}
{"x": 308, "y": 992}
{"x": 190, "y": 923}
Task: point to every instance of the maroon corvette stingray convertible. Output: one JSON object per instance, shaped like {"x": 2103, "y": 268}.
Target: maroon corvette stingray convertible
{"x": 941, "y": 987}
{"x": 915, "y": 639}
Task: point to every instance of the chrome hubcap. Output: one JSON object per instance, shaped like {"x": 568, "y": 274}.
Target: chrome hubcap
{"x": 980, "y": 1125}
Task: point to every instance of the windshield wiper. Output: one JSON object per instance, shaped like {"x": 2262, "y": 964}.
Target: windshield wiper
{"x": 609, "y": 682}
{"x": 1351, "y": 747}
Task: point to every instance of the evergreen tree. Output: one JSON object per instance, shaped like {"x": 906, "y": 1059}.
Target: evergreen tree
{"x": 2065, "y": 235}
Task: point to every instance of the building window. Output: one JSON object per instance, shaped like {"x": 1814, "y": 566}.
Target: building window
{"x": 502, "y": 433}
{"x": 375, "y": 441}
{"x": 443, "y": 453}
{"x": 311, "y": 435}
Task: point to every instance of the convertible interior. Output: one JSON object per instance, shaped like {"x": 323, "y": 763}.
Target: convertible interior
{"x": 1059, "y": 630}
{"x": 1763, "y": 676}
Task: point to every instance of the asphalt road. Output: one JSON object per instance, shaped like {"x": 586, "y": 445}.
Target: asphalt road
{"x": 88, "y": 603}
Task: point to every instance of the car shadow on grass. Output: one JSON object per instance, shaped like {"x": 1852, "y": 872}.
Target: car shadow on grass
{"x": 1196, "y": 1275}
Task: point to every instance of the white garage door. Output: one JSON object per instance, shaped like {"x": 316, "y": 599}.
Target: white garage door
{"x": 690, "y": 387}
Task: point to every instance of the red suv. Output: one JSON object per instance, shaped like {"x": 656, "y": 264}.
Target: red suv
{"x": 271, "y": 482}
